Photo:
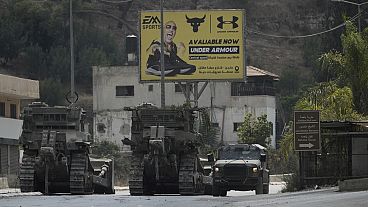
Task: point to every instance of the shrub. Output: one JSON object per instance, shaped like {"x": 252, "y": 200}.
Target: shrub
{"x": 106, "y": 149}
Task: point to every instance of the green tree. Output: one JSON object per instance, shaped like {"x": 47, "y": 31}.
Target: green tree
{"x": 209, "y": 133}
{"x": 106, "y": 149}
{"x": 11, "y": 38}
{"x": 36, "y": 18}
{"x": 86, "y": 58}
{"x": 52, "y": 92}
{"x": 36, "y": 34}
{"x": 350, "y": 67}
{"x": 93, "y": 47}
{"x": 334, "y": 103}
{"x": 58, "y": 61}
{"x": 35, "y": 61}
{"x": 290, "y": 82}
{"x": 287, "y": 142}
{"x": 255, "y": 130}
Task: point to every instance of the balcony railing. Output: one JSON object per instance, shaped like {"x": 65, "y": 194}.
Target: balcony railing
{"x": 244, "y": 89}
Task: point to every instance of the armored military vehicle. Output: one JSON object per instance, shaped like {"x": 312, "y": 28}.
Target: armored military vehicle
{"x": 240, "y": 167}
{"x": 56, "y": 153}
{"x": 164, "y": 152}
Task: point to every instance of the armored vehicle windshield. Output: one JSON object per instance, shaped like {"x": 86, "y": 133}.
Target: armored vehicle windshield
{"x": 247, "y": 152}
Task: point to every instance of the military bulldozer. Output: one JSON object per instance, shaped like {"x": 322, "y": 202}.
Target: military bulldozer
{"x": 164, "y": 152}
{"x": 56, "y": 153}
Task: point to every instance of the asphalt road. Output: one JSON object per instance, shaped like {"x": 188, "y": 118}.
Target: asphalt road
{"x": 325, "y": 198}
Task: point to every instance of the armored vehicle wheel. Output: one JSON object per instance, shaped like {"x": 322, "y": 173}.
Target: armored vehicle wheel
{"x": 136, "y": 176}
{"x": 27, "y": 174}
{"x": 190, "y": 180}
{"x": 266, "y": 188}
{"x": 215, "y": 190}
{"x": 80, "y": 175}
{"x": 259, "y": 187}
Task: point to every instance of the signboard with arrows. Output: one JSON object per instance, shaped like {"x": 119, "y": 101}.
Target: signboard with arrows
{"x": 307, "y": 131}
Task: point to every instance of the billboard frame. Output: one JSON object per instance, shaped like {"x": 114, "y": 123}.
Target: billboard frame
{"x": 244, "y": 58}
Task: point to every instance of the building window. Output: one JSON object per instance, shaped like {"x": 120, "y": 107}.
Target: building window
{"x": 2, "y": 109}
{"x": 13, "y": 111}
{"x": 178, "y": 89}
{"x": 237, "y": 125}
{"x": 215, "y": 124}
{"x": 124, "y": 90}
{"x": 101, "y": 128}
{"x": 150, "y": 87}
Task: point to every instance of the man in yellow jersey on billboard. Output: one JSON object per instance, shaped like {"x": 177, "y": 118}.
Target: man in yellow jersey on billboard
{"x": 173, "y": 63}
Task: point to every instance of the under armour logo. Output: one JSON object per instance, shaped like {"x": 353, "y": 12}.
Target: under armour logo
{"x": 195, "y": 22}
{"x": 222, "y": 22}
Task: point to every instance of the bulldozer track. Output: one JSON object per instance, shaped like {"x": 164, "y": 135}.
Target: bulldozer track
{"x": 80, "y": 180}
{"x": 187, "y": 176}
{"x": 136, "y": 187}
{"x": 27, "y": 174}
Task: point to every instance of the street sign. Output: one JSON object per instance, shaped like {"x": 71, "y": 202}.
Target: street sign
{"x": 307, "y": 131}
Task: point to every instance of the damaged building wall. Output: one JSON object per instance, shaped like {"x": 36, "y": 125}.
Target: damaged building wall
{"x": 112, "y": 126}
{"x": 111, "y": 121}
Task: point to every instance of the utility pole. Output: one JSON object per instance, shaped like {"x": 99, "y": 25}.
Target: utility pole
{"x": 356, "y": 4}
{"x": 162, "y": 56}
{"x": 71, "y": 33}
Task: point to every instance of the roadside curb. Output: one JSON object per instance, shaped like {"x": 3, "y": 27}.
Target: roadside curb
{"x": 353, "y": 185}
{"x": 9, "y": 190}
{"x": 12, "y": 192}
{"x": 121, "y": 188}
{"x": 279, "y": 177}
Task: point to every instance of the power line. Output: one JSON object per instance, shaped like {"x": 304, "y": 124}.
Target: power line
{"x": 123, "y": 21}
{"x": 306, "y": 36}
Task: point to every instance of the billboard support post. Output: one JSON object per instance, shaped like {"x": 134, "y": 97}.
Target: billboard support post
{"x": 187, "y": 91}
{"x": 195, "y": 94}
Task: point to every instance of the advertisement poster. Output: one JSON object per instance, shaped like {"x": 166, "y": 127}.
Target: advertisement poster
{"x": 199, "y": 45}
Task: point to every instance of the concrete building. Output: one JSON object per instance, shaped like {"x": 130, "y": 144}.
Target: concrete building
{"x": 117, "y": 87}
{"x": 12, "y": 91}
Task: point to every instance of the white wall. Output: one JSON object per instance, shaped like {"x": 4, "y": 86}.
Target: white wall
{"x": 10, "y": 128}
{"x": 109, "y": 108}
{"x": 21, "y": 88}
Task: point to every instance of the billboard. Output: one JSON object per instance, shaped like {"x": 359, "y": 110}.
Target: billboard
{"x": 199, "y": 45}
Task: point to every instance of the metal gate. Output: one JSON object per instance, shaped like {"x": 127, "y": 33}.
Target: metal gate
{"x": 343, "y": 154}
